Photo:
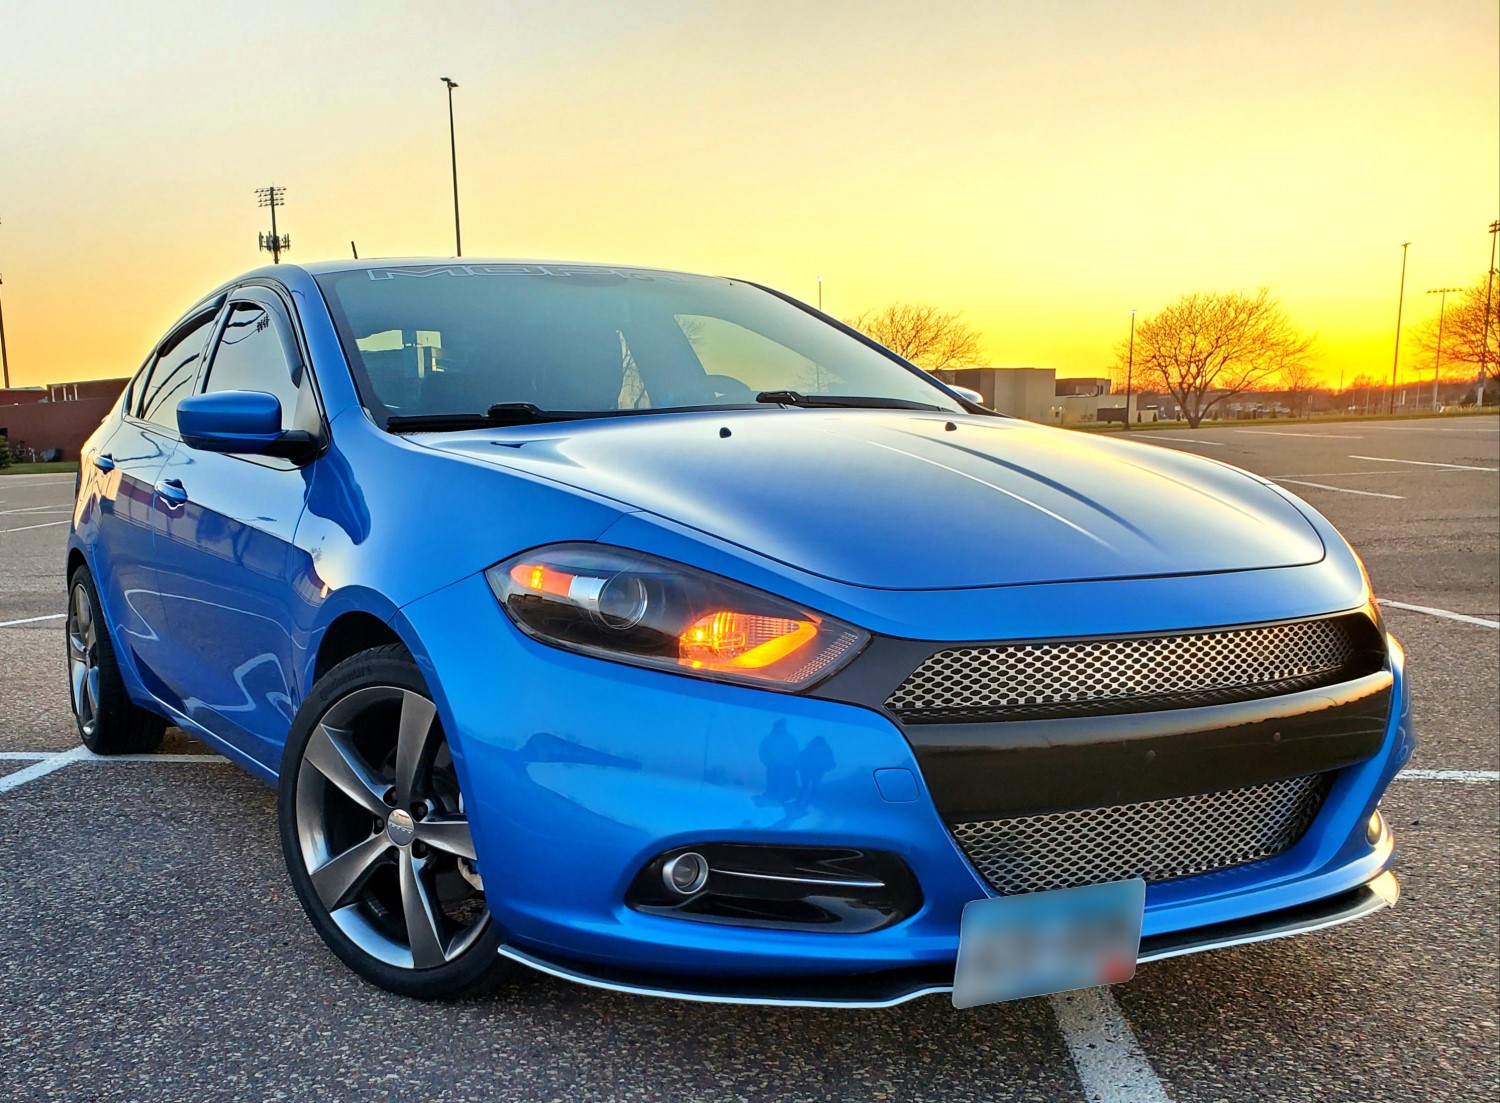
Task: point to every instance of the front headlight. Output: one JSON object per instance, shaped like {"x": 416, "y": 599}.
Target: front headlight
{"x": 635, "y": 608}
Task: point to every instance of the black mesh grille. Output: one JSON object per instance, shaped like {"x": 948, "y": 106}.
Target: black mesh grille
{"x": 1087, "y": 677}
{"x": 1157, "y": 840}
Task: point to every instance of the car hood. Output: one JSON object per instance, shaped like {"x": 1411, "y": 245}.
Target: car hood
{"x": 916, "y": 501}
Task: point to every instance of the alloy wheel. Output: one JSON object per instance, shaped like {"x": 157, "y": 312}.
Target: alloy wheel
{"x": 382, "y": 831}
{"x": 83, "y": 660}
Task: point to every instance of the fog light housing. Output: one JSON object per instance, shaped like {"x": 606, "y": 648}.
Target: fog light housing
{"x": 837, "y": 889}
{"x": 1374, "y": 827}
{"x": 685, "y": 874}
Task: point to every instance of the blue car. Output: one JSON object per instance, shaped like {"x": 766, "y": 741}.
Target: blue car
{"x": 659, "y": 632}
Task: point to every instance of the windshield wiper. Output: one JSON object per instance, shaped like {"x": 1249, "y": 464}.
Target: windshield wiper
{"x": 501, "y": 413}
{"x": 837, "y": 401}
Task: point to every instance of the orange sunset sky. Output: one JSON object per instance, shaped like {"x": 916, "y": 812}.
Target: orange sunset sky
{"x": 1040, "y": 167}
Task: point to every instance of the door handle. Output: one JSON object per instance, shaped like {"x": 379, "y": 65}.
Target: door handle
{"x": 171, "y": 491}
{"x": 104, "y": 461}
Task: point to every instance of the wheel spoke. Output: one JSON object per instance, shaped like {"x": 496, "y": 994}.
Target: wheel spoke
{"x": 83, "y": 615}
{"x": 91, "y": 690}
{"x": 414, "y": 744}
{"x": 80, "y": 674}
{"x": 337, "y": 879}
{"x": 422, "y": 932}
{"x": 451, "y": 835}
{"x": 329, "y": 752}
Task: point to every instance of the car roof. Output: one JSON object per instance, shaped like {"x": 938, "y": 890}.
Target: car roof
{"x": 327, "y": 267}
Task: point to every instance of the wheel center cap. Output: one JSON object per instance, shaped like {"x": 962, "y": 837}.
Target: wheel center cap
{"x": 400, "y": 827}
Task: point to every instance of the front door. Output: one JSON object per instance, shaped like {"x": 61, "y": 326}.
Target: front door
{"x": 225, "y": 554}
{"x": 126, "y": 476}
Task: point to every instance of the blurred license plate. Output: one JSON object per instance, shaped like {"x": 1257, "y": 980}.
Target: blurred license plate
{"x": 1011, "y": 947}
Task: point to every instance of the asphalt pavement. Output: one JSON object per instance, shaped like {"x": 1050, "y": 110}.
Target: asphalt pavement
{"x": 154, "y": 950}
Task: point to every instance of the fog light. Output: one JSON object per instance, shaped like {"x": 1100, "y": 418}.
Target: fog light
{"x": 1373, "y": 828}
{"x": 685, "y": 874}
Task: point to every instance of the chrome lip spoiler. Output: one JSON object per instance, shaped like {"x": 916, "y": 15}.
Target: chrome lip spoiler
{"x": 873, "y": 991}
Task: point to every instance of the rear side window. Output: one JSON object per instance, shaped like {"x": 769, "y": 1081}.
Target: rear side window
{"x": 173, "y": 374}
{"x": 251, "y": 356}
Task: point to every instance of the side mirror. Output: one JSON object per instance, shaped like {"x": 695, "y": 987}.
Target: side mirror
{"x": 243, "y": 422}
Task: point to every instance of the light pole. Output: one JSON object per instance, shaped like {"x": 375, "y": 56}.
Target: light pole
{"x": 1484, "y": 338}
{"x": 4, "y": 357}
{"x": 458, "y": 240}
{"x": 1396, "y": 357}
{"x": 1437, "y": 362}
{"x": 820, "y": 294}
{"x": 273, "y": 197}
{"x": 1129, "y": 369}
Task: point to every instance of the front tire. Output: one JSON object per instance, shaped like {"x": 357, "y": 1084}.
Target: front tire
{"x": 108, "y": 721}
{"x": 375, "y": 835}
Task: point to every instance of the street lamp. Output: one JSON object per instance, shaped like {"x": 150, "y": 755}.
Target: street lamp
{"x": 1484, "y": 340}
{"x": 4, "y": 358}
{"x": 1129, "y": 369}
{"x": 458, "y": 241}
{"x": 1442, "y": 293}
{"x": 1400, "y": 301}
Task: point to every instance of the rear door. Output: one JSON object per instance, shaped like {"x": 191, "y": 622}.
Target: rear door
{"x": 225, "y": 555}
{"x": 131, "y": 508}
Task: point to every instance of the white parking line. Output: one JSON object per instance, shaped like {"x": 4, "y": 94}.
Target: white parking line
{"x": 1466, "y": 777}
{"x": 37, "y": 509}
{"x": 1425, "y": 463}
{"x": 46, "y": 762}
{"x": 1274, "y": 433}
{"x": 1483, "y": 424}
{"x": 1464, "y": 617}
{"x": 1110, "y": 1062}
{"x": 159, "y": 759}
{"x": 42, "y": 768}
{"x": 1148, "y": 437}
{"x": 31, "y": 620}
{"x": 1341, "y": 489}
{"x": 48, "y": 525}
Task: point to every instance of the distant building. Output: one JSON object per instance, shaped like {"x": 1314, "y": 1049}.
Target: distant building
{"x": 1090, "y": 385}
{"x": 55, "y": 420}
{"x": 1020, "y": 392}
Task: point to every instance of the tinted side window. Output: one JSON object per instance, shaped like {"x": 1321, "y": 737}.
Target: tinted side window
{"x": 250, "y": 357}
{"x": 172, "y": 376}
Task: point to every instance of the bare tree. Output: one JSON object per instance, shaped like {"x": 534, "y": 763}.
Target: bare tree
{"x": 928, "y": 337}
{"x": 1211, "y": 345}
{"x": 1463, "y": 330}
{"x": 1299, "y": 381}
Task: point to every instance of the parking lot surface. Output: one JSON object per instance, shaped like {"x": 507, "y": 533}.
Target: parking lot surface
{"x": 153, "y": 949}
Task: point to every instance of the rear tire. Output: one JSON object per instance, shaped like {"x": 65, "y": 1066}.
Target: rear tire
{"x": 375, "y": 834}
{"x": 108, "y": 721}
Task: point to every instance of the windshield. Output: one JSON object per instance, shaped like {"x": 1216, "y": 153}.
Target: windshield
{"x": 458, "y": 339}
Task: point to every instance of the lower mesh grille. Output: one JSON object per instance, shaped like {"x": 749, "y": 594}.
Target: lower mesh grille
{"x": 1156, "y": 840}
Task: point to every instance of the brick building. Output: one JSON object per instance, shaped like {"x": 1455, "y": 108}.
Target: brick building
{"x": 57, "y": 417}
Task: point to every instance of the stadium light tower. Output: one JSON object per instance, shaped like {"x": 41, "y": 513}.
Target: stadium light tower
{"x": 273, "y": 197}
{"x": 1437, "y": 362}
